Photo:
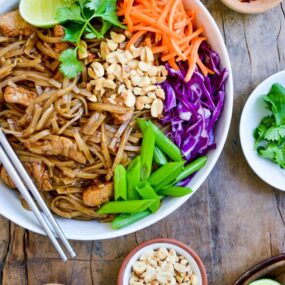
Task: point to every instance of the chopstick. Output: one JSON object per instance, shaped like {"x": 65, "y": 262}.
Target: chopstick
{"x": 23, "y": 182}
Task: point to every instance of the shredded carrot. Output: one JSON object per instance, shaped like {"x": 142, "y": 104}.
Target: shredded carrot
{"x": 168, "y": 56}
{"x": 134, "y": 38}
{"x": 152, "y": 22}
{"x": 172, "y": 12}
{"x": 148, "y": 42}
{"x": 180, "y": 25}
{"x": 177, "y": 49}
{"x": 159, "y": 49}
{"x": 129, "y": 4}
{"x": 165, "y": 11}
{"x": 173, "y": 64}
{"x": 192, "y": 36}
{"x": 157, "y": 38}
{"x": 205, "y": 70}
{"x": 121, "y": 12}
{"x": 168, "y": 29}
{"x": 192, "y": 59}
{"x": 148, "y": 29}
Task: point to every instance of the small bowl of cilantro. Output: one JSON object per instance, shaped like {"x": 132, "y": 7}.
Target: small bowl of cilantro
{"x": 262, "y": 130}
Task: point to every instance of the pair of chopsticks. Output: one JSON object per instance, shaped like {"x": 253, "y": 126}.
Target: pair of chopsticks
{"x": 27, "y": 188}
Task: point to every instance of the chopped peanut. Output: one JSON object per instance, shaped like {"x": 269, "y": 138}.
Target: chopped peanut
{"x": 162, "y": 266}
{"x": 130, "y": 74}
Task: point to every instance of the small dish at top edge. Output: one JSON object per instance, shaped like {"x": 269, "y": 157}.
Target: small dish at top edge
{"x": 253, "y": 7}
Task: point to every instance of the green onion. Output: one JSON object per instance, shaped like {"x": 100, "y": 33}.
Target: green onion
{"x": 124, "y": 220}
{"x": 191, "y": 168}
{"x": 162, "y": 141}
{"x": 118, "y": 207}
{"x": 120, "y": 182}
{"x": 165, "y": 174}
{"x": 133, "y": 178}
{"x": 147, "y": 192}
{"x": 159, "y": 156}
{"x": 147, "y": 150}
{"x": 175, "y": 191}
{"x": 142, "y": 124}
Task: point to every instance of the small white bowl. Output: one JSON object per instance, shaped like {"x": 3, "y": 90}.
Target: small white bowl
{"x": 253, "y": 112}
{"x": 193, "y": 259}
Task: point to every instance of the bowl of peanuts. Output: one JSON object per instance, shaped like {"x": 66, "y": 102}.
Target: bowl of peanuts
{"x": 162, "y": 261}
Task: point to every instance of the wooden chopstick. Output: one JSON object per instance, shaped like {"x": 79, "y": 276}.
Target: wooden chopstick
{"x": 23, "y": 182}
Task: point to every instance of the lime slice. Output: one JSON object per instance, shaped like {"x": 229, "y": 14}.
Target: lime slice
{"x": 40, "y": 13}
{"x": 264, "y": 282}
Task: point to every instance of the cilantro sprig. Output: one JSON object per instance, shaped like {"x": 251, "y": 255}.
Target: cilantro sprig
{"x": 270, "y": 134}
{"x": 84, "y": 19}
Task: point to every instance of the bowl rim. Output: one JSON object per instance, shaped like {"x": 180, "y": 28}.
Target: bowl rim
{"x": 33, "y": 225}
{"x": 257, "y": 267}
{"x": 198, "y": 260}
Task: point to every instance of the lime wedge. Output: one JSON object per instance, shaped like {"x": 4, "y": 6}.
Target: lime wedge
{"x": 264, "y": 282}
{"x": 40, "y": 13}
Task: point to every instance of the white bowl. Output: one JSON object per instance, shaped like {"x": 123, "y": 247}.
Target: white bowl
{"x": 253, "y": 112}
{"x": 11, "y": 208}
{"x": 194, "y": 260}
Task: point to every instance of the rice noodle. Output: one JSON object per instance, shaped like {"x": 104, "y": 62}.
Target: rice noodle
{"x": 75, "y": 141}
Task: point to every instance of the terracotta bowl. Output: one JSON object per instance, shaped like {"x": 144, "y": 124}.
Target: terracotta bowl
{"x": 273, "y": 267}
{"x": 194, "y": 260}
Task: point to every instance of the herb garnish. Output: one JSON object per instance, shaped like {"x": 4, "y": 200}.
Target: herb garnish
{"x": 77, "y": 20}
{"x": 270, "y": 134}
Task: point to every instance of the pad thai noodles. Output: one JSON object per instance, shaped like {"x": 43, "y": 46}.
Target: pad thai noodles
{"x": 73, "y": 123}
{"x": 68, "y": 143}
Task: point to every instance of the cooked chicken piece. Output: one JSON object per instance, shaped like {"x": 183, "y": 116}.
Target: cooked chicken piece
{"x": 39, "y": 174}
{"x": 96, "y": 195}
{"x": 12, "y": 25}
{"x": 121, "y": 118}
{"x": 6, "y": 178}
{"x": 58, "y": 31}
{"x": 59, "y": 47}
{"x": 19, "y": 95}
{"x": 57, "y": 145}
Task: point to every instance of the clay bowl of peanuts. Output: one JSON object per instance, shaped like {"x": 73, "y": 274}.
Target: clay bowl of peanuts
{"x": 162, "y": 261}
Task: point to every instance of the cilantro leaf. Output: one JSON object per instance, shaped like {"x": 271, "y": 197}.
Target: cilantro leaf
{"x": 92, "y": 33}
{"x": 110, "y": 14}
{"x": 97, "y": 6}
{"x": 280, "y": 157}
{"x": 275, "y": 100}
{"x": 72, "y": 13}
{"x": 273, "y": 152}
{"x": 105, "y": 27}
{"x": 72, "y": 32}
{"x": 90, "y": 36}
{"x": 264, "y": 125}
{"x": 82, "y": 3}
{"x": 272, "y": 134}
{"x": 282, "y": 131}
{"x": 76, "y": 20}
{"x": 275, "y": 133}
{"x": 105, "y": 9}
{"x": 268, "y": 151}
{"x": 70, "y": 65}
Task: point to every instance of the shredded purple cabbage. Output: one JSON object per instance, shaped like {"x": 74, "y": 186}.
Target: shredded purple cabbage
{"x": 193, "y": 108}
